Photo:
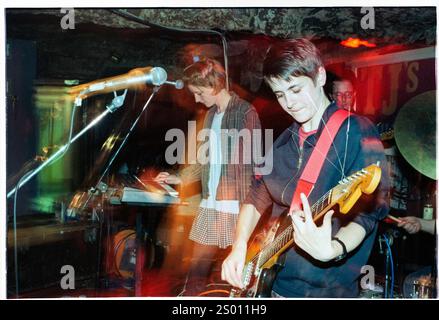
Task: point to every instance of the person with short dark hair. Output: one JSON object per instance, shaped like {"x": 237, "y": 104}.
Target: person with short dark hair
{"x": 325, "y": 261}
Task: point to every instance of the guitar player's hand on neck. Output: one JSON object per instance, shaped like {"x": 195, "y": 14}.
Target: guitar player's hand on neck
{"x": 316, "y": 241}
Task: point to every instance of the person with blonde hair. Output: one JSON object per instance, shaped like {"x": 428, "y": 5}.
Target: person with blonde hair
{"x": 224, "y": 183}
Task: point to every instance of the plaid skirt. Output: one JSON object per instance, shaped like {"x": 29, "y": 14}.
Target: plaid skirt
{"x": 214, "y": 228}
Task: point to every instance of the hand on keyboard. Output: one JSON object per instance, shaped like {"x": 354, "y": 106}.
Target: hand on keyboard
{"x": 167, "y": 178}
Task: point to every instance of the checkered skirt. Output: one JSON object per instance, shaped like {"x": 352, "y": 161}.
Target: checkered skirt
{"x": 214, "y": 228}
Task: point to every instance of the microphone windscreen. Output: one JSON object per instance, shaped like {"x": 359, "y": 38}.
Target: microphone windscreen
{"x": 159, "y": 76}
{"x": 179, "y": 84}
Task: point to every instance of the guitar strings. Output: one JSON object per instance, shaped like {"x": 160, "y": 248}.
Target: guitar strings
{"x": 274, "y": 246}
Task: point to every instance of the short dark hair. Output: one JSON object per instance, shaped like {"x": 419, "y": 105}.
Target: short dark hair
{"x": 346, "y": 75}
{"x": 205, "y": 73}
{"x": 292, "y": 58}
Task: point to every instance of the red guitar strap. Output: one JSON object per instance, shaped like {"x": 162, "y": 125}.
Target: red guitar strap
{"x": 314, "y": 165}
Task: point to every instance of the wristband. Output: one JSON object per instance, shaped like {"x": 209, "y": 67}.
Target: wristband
{"x": 345, "y": 252}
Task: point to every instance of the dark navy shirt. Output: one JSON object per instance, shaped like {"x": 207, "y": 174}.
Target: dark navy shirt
{"x": 356, "y": 145}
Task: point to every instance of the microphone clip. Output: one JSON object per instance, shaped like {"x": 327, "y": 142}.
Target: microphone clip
{"x": 117, "y": 101}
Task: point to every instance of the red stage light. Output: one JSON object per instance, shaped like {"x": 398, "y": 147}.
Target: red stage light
{"x": 355, "y": 43}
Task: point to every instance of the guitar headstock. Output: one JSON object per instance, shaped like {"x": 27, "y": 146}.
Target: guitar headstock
{"x": 349, "y": 190}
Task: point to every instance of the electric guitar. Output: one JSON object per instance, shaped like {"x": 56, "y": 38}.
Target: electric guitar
{"x": 261, "y": 267}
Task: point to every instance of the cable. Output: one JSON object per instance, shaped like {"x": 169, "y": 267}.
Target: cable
{"x": 15, "y": 232}
{"x": 391, "y": 265}
{"x": 116, "y": 249}
{"x": 204, "y": 293}
{"x": 130, "y": 16}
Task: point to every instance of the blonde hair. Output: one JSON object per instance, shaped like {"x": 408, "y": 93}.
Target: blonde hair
{"x": 206, "y": 73}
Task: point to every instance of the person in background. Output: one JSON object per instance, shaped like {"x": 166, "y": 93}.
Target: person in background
{"x": 413, "y": 224}
{"x": 344, "y": 89}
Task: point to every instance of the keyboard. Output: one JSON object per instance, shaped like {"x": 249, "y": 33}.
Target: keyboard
{"x": 136, "y": 197}
{"x": 134, "y": 191}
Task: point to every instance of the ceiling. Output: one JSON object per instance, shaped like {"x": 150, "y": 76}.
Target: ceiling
{"x": 108, "y": 41}
{"x": 395, "y": 24}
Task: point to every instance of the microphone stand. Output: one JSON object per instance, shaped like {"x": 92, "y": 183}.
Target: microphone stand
{"x": 101, "y": 187}
{"x": 387, "y": 239}
{"x": 155, "y": 90}
{"x": 113, "y": 106}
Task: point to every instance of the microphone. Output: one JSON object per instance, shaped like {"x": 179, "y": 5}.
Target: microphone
{"x": 135, "y": 79}
{"x": 178, "y": 84}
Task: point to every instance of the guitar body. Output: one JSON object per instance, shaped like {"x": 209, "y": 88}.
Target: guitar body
{"x": 266, "y": 280}
{"x": 260, "y": 286}
{"x": 274, "y": 265}
{"x": 263, "y": 265}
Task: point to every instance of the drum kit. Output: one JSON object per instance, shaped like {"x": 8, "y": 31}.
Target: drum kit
{"x": 415, "y": 137}
{"x": 423, "y": 288}
{"x": 415, "y": 133}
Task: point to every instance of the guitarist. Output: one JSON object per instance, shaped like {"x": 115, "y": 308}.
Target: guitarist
{"x": 326, "y": 259}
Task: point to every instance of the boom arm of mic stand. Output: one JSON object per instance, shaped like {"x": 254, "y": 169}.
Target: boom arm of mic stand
{"x": 116, "y": 103}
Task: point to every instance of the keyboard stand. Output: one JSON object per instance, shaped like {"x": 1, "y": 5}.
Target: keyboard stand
{"x": 140, "y": 245}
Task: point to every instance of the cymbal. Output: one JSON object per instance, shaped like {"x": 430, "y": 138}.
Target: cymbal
{"x": 415, "y": 133}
